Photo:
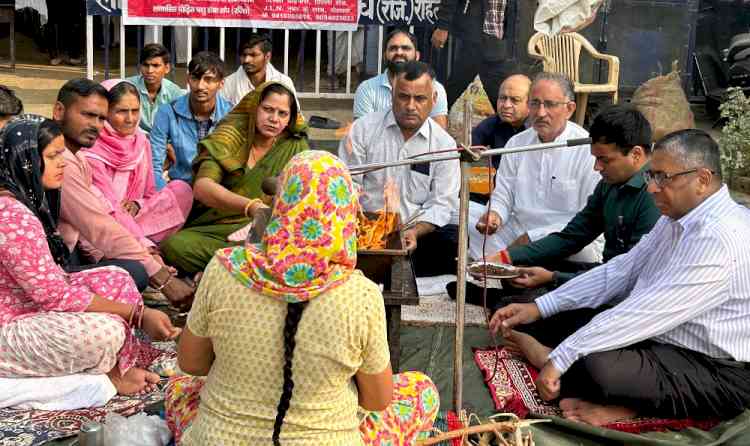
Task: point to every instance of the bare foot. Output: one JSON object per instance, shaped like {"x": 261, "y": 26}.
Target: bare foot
{"x": 594, "y": 414}
{"x": 536, "y": 353}
{"x": 135, "y": 381}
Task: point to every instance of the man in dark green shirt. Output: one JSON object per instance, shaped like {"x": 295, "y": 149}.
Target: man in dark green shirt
{"x": 620, "y": 207}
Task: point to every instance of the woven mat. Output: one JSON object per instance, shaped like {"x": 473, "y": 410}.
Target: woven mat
{"x": 36, "y": 427}
{"x": 512, "y": 388}
{"x": 440, "y": 310}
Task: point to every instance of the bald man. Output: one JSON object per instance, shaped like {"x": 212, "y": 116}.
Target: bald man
{"x": 512, "y": 111}
{"x": 495, "y": 131}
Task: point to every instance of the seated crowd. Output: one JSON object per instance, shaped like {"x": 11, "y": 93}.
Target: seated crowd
{"x": 640, "y": 253}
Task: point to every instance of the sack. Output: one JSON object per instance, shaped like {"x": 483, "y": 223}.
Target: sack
{"x": 481, "y": 109}
{"x": 663, "y": 102}
{"x": 553, "y": 17}
{"x": 138, "y": 430}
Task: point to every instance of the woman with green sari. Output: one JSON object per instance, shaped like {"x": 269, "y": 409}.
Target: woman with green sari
{"x": 253, "y": 142}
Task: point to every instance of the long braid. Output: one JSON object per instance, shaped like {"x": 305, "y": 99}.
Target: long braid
{"x": 293, "y": 316}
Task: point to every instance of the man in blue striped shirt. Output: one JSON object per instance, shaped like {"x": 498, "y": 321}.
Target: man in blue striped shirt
{"x": 376, "y": 94}
{"x": 661, "y": 330}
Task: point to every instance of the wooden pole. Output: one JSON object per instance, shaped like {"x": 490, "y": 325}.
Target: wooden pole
{"x": 463, "y": 241}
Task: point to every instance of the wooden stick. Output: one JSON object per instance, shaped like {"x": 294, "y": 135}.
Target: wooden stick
{"x": 501, "y": 426}
{"x": 463, "y": 241}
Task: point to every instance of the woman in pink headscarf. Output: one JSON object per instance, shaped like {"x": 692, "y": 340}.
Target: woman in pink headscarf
{"x": 121, "y": 164}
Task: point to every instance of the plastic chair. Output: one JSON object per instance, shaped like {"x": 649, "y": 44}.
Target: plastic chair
{"x": 561, "y": 54}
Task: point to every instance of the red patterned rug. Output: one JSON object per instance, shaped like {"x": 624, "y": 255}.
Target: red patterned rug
{"x": 512, "y": 388}
{"x": 36, "y": 427}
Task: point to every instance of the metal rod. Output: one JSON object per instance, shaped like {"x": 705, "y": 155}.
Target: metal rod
{"x": 463, "y": 248}
{"x": 286, "y": 52}
{"x": 483, "y": 154}
{"x": 106, "y": 21}
{"x": 317, "y": 60}
{"x": 223, "y": 43}
{"x": 348, "y": 61}
{"x": 404, "y": 162}
{"x": 90, "y": 47}
{"x": 122, "y": 48}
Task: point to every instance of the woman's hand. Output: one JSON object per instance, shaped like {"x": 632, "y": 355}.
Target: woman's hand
{"x": 257, "y": 207}
{"x": 158, "y": 325}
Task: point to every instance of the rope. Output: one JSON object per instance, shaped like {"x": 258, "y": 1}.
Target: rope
{"x": 487, "y": 315}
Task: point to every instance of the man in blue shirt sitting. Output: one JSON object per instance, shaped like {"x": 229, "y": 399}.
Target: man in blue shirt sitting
{"x": 375, "y": 94}
{"x": 189, "y": 118}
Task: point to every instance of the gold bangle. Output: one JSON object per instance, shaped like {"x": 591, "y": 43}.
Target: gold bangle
{"x": 249, "y": 204}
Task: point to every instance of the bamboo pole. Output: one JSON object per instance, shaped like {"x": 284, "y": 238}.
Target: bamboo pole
{"x": 463, "y": 241}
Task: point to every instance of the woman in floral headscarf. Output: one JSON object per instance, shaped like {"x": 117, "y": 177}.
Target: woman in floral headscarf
{"x": 292, "y": 337}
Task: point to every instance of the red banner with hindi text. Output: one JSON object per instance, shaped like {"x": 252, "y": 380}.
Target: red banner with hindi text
{"x": 285, "y": 14}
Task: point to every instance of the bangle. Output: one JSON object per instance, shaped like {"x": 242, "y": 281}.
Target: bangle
{"x": 161, "y": 287}
{"x": 141, "y": 309}
{"x": 250, "y": 204}
{"x": 136, "y": 315}
{"x": 132, "y": 313}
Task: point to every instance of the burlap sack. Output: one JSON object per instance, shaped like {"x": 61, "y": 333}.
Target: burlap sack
{"x": 481, "y": 109}
{"x": 663, "y": 102}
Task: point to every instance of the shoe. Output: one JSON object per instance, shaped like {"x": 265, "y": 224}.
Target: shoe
{"x": 496, "y": 297}
{"x": 74, "y": 61}
{"x": 319, "y": 122}
{"x": 55, "y": 61}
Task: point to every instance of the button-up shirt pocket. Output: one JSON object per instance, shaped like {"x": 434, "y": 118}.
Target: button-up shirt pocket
{"x": 563, "y": 194}
{"x": 419, "y": 187}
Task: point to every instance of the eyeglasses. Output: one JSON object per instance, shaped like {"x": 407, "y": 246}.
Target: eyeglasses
{"x": 661, "y": 179}
{"x": 549, "y": 105}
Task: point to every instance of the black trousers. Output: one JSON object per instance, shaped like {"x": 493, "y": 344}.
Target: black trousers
{"x": 473, "y": 61}
{"x": 79, "y": 262}
{"x": 436, "y": 252}
{"x": 66, "y": 20}
{"x": 654, "y": 379}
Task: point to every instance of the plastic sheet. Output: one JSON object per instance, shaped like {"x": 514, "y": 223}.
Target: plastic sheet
{"x": 138, "y": 430}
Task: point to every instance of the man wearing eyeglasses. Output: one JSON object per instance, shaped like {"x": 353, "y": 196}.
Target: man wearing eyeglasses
{"x": 620, "y": 207}
{"x": 662, "y": 330}
{"x": 537, "y": 193}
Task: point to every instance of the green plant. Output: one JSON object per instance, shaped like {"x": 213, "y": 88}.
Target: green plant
{"x": 735, "y": 136}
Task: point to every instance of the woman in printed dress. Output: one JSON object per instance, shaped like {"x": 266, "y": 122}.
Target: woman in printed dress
{"x": 291, "y": 337}
{"x": 120, "y": 162}
{"x": 53, "y": 323}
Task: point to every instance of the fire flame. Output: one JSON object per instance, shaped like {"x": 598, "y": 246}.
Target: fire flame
{"x": 373, "y": 233}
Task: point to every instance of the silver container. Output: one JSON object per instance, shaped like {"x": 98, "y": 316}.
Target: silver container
{"x": 92, "y": 434}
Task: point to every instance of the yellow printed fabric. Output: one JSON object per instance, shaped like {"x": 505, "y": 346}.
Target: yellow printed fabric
{"x": 342, "y": 330}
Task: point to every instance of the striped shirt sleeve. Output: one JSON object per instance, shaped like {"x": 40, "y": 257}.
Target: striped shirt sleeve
{"x": 694, "y": 280}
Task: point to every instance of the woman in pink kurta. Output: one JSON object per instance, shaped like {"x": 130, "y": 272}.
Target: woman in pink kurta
{"x": 123, "y": 175}
{"x": 53, "y": 323}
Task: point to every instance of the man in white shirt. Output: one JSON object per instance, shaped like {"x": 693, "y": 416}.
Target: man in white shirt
{"x": 537, "y": 193}
{"x": 427, "y": 192}
{"x": 662, "y": 330}
{"x": 375, "y": 93}
{"x": 256, "y": 68}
